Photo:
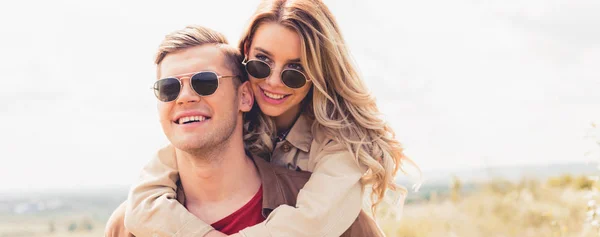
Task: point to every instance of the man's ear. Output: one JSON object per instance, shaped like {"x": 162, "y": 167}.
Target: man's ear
{"x": 246, "y": 97}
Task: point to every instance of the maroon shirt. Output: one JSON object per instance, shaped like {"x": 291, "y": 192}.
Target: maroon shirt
{"x": 248, "y": 215}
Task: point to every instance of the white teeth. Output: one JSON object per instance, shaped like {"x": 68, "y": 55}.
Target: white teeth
{"x": 274, "y": 96}
{"x": 191, "y": 118}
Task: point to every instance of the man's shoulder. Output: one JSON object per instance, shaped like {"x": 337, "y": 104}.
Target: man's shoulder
{"x": 281, "y": 181}
{"x": 294, "y": 174}
{"x": 281, "y": 171}
{"x": 291, "y": 179}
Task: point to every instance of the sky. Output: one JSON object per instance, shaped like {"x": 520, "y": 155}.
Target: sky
{"x": 465, "y": 84}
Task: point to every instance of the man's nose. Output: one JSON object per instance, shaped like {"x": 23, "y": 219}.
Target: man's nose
{"x": 187, "y": 94}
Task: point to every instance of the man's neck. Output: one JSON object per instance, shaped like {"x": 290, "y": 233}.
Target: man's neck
{"x": 216, "y": 186}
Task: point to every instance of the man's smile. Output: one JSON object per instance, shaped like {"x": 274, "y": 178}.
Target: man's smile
{"x": 191, "y": 117}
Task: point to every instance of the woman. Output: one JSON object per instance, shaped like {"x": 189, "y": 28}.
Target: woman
{"x": 315, "y": 115}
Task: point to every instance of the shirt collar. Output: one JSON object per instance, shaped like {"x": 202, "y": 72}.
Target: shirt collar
{"x": 272, "y": 190}
{"x": 300, "y": 135}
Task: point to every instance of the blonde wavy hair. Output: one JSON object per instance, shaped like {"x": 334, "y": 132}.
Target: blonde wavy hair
{"x": 340, "y": 103}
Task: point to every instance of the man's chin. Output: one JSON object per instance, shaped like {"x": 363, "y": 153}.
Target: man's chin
{"x": 188, "y": 144}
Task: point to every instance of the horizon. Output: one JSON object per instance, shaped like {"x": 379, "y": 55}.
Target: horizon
{"x": 430, "y": 177}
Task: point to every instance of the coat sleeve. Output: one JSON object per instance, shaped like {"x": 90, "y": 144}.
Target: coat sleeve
{"x": 115, "y": 227}
{"x": 152, "y": 207}
{"x": 326, "y": 206}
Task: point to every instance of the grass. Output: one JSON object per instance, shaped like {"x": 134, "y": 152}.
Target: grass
{"x": 499, "y": 209}
{"x": 44, "y": 227}
{"x": 557, "y": 207}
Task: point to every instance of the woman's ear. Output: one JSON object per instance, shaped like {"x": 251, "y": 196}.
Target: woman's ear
{"x": 246, "y": 97}
{"x": 246, "y": 47}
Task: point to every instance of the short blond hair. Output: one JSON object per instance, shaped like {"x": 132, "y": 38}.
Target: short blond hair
{"x": 195, "y": 35}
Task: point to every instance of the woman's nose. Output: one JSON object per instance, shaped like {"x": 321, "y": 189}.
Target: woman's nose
{"x": 274, "y": 80}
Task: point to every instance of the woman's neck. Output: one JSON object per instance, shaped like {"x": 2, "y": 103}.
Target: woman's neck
{"x": 285, "y": 121}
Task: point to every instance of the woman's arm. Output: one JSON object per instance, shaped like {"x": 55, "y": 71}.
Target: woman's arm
{"x": 327, "y": 205}
{"x": 114, "y": 226}
{"x": 152, "y": 207}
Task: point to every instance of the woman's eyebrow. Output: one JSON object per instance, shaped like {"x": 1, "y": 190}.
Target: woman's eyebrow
{"x": 263, "y": 51}
{"x": 296, "y": 60}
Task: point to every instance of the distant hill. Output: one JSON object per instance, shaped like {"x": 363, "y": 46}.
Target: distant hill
{"x": 99, "y": 203}
{"x": 439, "y": 181}
{"x": 513, "y": 173}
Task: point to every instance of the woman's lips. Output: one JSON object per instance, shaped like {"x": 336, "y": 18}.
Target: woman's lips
{"x": 273, "y": 98}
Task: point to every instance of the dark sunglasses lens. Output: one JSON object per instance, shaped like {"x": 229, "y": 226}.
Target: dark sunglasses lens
{"x": 293, "y": 79}
{"x": 258, "y": 69}
{"x": 205, "y": 83}
{"x": 167, "y": 89}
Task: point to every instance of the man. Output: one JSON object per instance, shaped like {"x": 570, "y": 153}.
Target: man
{"x": 203, "y": 97}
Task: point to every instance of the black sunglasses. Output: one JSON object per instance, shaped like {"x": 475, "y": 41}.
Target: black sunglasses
{"x": 204, "y": 83}
{"x": 292, "y": 78}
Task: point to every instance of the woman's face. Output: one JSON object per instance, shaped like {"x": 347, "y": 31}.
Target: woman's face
{"x": 279, "y": 47}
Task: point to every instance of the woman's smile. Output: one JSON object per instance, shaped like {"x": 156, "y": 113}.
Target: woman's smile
{"x": 273, "y": 98}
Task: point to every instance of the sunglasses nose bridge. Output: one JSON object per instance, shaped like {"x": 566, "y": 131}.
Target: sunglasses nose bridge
{"x": 187, "y": 93}
{"x": 274, "y": 79}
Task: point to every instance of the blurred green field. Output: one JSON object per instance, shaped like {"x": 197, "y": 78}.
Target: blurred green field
{"x": 51, "y": 227}
{"x": 554, "y": 207}
{"x": 80, "y": 213}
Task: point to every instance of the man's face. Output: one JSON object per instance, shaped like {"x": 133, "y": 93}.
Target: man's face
{"x": 218, "y": 113}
